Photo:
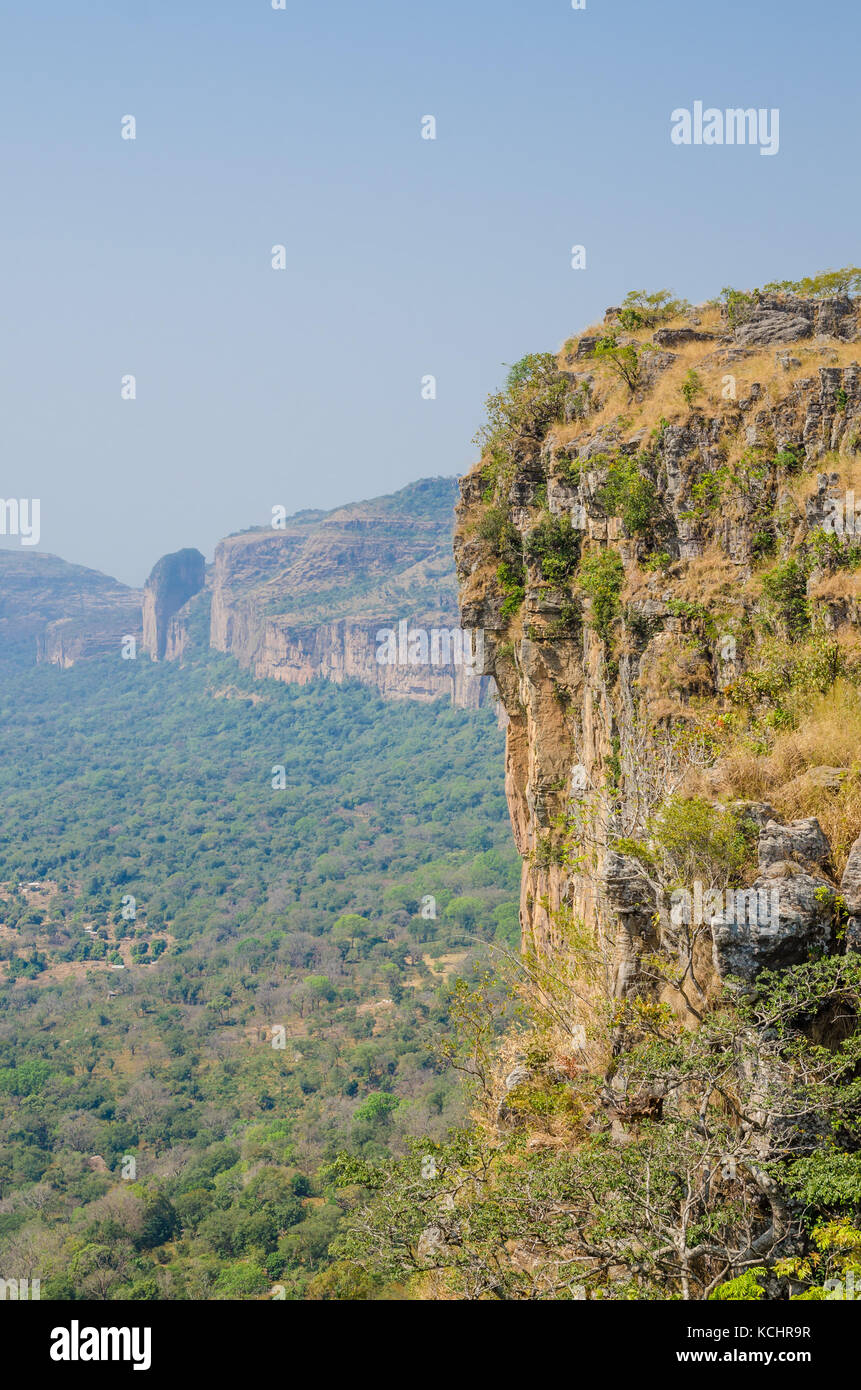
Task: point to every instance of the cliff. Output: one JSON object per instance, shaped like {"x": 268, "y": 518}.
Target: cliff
{"x": 174, "y": 580}
{"x": 660, "y": 544}
{"x": 312, "y": 596}
{"x": 61, "y": 613}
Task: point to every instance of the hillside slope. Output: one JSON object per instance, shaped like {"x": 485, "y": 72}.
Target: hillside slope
{"x": 61, "y": 613}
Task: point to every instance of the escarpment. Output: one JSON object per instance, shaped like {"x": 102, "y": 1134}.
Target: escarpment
{"x": 365, "y": 592}
{"x": 356, "y": 593}
{"x": 661, "y": 545}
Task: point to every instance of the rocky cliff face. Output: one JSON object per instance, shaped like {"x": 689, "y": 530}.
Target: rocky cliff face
{"x": 174, "y": 581}
{"x": 61, "y": 613}
{"x": 311, "y": 597}
{"x": 658, "y": 545}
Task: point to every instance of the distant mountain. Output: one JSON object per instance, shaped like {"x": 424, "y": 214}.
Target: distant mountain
{"x": 61, "y": 613}
{"x": 302, "y": 598}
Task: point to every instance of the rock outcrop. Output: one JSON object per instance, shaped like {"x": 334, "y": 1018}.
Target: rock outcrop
{"x": 365, "y": 592}
{"x": 174, "y": 580}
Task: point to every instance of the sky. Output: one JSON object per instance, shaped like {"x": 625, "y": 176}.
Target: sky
{"x": 405, "y": 257}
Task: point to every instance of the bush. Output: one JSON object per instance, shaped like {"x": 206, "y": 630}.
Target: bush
{"x": 532, "y": 399}
{"x": 705, "y": 842}
{"x": 555, "y": 546}
{"x": 692, "y": 386}
{"x": 786, "y": 587}
{"x": 623, "y": 361}
{"x": 602, "y": 575}
{"x": 642, "y": 310}
{"x": 630, "y": 493}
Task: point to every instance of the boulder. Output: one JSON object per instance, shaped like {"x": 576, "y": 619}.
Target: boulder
{"x": 675, "y": 337}
{"x": 800, "y": 842}
{"x": 775, "y": 923}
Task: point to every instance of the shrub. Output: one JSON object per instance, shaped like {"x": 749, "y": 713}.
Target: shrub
{"x": 602, "y": 575}
{"x": 512, "y": 578}
{"x": 555, "y": 546}
{"x": 630, "y": 493}
{"x": 786, "y": 587}
{"x": 692, "y": 386}
{"x": 822, "y": 286}
{"x": 702, "y": 841}
{"x": 623, "y": 361}
{"x": 531, "y": 400}
{"x": 642, "y": 310}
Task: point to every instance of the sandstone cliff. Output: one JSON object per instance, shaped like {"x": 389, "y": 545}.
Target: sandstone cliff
{"x": 653, "y": 545}
{"x": 309, "y": 598}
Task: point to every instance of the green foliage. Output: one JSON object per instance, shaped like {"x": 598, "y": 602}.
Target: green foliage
{"x": 580, "y": 1206}
{"x": 601, "y": 578}
{"x": 496, "y": 527}
{"x": 512, "y": 580}
{"x": 531, "y": 400}
{"x": 826, "y": 285}
{"x": 786, "y": 587}
{"x": 160, "y": 1223}
{"x": 738, "y": 305}
{"x": 257, "y": 907}
{"x": 567, "y": 468}
{"x": 707, "y": 492}
{"x": 746, "y": 1288}
{"x": 630, "y": 492}
{"x": 788, "y": 674}
{"x": 828, "y": 551}
{"x": 696, "y": 614}
{"x": 642, "y": 310}
{"x": 554, "y": 545}
{"x": 829, "y": 1180}
{"x": 705, "y": 842}
{"x": 789, "y": 460}
{"x": 622, "y": 359}
{"x": 692, "y": 386}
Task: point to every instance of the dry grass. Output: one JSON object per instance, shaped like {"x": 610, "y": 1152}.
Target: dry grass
{"x": 664, "y": 400}
{"x": 842, "y": 584}
{"x": 828, "y": 737}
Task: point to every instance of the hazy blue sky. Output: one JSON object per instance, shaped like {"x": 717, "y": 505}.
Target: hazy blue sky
{"x": 405, "y": 256}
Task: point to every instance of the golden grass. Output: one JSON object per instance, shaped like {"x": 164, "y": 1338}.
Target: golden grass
{"x": 829, "y": 736}
{"x": 842, "y": 584}
{"x": 665, "y": 401}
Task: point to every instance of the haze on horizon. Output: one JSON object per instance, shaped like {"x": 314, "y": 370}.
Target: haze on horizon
{"x": 404, "y": 256}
